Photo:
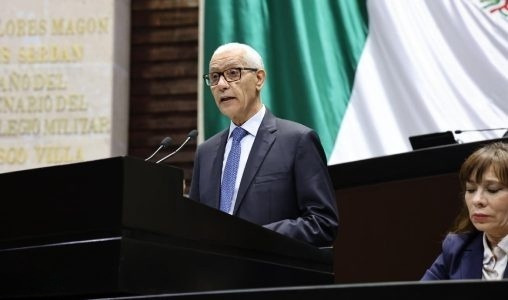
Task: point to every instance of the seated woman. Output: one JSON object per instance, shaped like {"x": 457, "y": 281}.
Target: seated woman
{"x": 477, "y": 245}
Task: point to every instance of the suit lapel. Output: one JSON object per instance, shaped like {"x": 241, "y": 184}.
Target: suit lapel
{"x": 473, "y": 255}
{"x": 220, "y": 148}
{"x": 262, "y": 144}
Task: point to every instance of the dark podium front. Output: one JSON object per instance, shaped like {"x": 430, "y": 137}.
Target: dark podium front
{"x": 121, "y": 226}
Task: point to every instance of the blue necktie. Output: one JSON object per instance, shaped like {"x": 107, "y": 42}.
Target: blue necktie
{"x": 229, "y": 177}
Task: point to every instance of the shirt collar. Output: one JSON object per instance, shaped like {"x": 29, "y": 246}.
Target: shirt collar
{"x": 503, "y": 244}
{"x": 252, "y": 124}
{"x": 487, "y": 252}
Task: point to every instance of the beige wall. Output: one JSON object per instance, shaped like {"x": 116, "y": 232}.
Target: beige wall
{"x": 64, "y": 69}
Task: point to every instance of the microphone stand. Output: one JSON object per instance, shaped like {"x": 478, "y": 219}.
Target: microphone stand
{"x": 192, "y": 134}
{"x": 148, "y": 158}
{"x": 174, "y": 152}
{"x": 165, "y": 143}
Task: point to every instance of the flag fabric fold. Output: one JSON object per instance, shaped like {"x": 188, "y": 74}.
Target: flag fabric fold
{"x": 366, "y": 75}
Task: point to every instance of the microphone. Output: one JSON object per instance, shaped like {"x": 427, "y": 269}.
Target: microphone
{"x": 475, "y": 130}
{"x": 164, "y": 144}
{"x": 192, "y": 134}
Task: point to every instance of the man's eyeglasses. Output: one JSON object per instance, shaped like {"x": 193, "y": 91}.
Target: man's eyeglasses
{"x": 233, "y": 74}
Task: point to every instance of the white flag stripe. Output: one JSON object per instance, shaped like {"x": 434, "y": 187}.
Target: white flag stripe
{"x": 427, "y": 66}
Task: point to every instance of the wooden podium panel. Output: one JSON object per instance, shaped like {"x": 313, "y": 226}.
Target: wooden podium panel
{"x": 121, "y": 226}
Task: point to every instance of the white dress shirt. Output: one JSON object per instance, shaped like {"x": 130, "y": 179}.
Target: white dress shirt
{"x": 494, "y": 261}
{"x": 251, "y": 126}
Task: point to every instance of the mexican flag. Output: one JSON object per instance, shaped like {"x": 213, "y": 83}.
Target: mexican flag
{"x": 367, "y": 75}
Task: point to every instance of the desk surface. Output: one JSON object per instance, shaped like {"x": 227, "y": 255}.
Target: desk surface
{"x": 418, "y": 163}
{"x": 464, "y": 290}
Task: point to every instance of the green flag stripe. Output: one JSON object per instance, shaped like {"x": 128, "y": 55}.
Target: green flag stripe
{"x": 310, "y": 49}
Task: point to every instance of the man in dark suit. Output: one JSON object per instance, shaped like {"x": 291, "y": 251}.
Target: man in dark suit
{"x": 276, "y": 168}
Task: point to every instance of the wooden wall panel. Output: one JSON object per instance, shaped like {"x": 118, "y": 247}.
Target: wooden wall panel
{"x": 163, "y": 73}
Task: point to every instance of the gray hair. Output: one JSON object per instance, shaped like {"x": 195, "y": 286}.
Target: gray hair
{"x": 250, "y": 55}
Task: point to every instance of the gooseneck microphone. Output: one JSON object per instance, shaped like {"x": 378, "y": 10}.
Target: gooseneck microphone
{"x": 164, "y": 144}
{"x": 192, "y": 134}
{"x": 475, "y": 130}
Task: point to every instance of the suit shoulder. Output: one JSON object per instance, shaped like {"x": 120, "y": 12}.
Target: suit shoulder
{"x": 455, "y": 242}
{"x": 211, "y": 141}
{"x": 291, "y": 126}
{"x": 299, "y": 134}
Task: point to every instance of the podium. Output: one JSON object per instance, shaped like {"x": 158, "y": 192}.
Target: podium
{"x": 122, "y": 227}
